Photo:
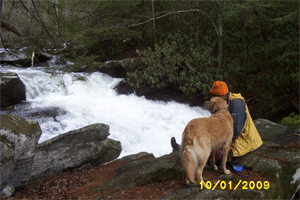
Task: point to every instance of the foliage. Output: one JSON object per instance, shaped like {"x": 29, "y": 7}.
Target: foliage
{"x": 263, "y": 45}
{"x": 260, "y": 41}
{"x": 181, "y": 60}
{"x": 292, "y": 121}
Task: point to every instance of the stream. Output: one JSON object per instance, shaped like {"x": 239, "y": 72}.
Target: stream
{"x": 63, "y": 102}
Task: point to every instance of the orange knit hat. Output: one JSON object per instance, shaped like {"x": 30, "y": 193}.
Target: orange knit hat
{"x": 219, "y": 88}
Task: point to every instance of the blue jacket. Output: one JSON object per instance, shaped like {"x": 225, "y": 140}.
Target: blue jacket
{"x": 237, "y": 109}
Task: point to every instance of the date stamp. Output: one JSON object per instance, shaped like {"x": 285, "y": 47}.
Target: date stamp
{"x": 244, "y": 184}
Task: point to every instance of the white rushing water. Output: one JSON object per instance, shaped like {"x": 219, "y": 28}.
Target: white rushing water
{"x": 139, "y": 124}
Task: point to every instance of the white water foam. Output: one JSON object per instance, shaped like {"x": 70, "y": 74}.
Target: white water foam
{"x": 139, "y": 124}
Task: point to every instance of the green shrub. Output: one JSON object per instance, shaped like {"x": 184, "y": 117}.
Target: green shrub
{"x": 292, "y": 121}
{"x": 181, "y": 60}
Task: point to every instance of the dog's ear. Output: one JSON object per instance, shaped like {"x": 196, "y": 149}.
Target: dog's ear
{"x": 214, "y": 107}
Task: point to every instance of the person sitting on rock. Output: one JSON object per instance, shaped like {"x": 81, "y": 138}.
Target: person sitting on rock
{"x": 246, "y": 137}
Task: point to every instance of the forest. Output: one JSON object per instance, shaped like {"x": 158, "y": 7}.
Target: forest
{"x": 251, "y": 45}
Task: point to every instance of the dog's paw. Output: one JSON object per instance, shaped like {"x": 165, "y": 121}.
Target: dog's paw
{"x": 215, "y": 167}
{"x": 227, "y": 171}
{"x": 203, "y": 184}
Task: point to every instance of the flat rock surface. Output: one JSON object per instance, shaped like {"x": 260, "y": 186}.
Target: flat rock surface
{"x": 81, "y": 184}
{"x": 274, "y": 175}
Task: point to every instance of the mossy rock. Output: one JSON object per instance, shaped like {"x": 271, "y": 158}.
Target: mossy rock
{"x": 183, "y": 192}
{"x": 19, "y": 125}
{"x": 143, "y": 172}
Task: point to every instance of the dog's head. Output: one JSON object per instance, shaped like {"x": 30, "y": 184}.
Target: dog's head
{"x": 215, "y": 104}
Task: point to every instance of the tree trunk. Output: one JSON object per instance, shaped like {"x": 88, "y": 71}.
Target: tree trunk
{"x": 260, "y": 21}
{"x": 220, "y": 33}
{"x": 1, "y": 3}
{"x": 153, "y": 30}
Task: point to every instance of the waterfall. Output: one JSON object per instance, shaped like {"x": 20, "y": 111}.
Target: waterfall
{"x": 82, "y": 99}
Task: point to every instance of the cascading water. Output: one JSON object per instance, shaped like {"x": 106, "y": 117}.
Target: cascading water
{"x": 80, "y": 99}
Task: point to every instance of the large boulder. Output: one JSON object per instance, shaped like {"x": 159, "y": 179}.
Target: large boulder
{"x": 271, "y": 132}
{"x": 18, "y": 139}
{"x": 142, "y": 172}
{"x": 12, "y": 89}
{"x": 167, "y": 94}
{"x": 119, "y": 68}
{"x": 274, "y": 163}
{"x": 22, "y": 158}
{"x": 75, "y": 148}
{"x": 114, "y": 69}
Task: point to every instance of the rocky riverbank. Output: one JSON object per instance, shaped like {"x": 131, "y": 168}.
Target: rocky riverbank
{"x": 76, "y": 165}
{"x": 22, "y": 158}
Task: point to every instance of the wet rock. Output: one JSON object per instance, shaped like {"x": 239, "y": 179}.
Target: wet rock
{"x": 22, "y": 134}
{"x": 25, "y": 110}
{"x": 119, "y": 68}
{"x": 142, "y": 172}
{"x": 136, "y": 156}
{"x": 7, "y": 163}
{"x": 12, "y": 89}
{"x": 22, "y": 58}
{"x": 7, "y": 191}
{"x": 183, "y": 192}
{"x": 22, "y": 158}
{"x": 278, "y": 164}
{"x": 269, "y": 168}
{"x": 18, "y": 137}
{"x": 275, "y": 133}
{"x": 114, "y": 69}
{"x": 167, "y": 94}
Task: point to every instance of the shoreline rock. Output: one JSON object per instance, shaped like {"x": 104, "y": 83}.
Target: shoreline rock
{"x": 274, "y": 162}
{"x": 22, "y": 158}
{"x": 12, "y": 89}
{"x": 19, "y": 58}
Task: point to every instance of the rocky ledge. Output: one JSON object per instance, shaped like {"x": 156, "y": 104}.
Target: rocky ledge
{"x": 22, "y": 158}
{"x": 275, "y": 165}
{"x": 23, "y": 57}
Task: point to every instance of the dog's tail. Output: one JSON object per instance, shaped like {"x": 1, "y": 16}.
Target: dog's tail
{"x": 189, "y": 162}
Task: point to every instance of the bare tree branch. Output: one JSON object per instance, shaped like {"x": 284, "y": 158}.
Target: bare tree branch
{"x": 37, "y": 20}
{"x": 174, "y": 12}
{"x": 12, "y": 5}
{"x": 10, "y": 28}
{"x": 41, "y": 21}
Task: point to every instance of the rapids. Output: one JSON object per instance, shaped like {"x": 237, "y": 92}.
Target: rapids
{"x": 80, "y": 99}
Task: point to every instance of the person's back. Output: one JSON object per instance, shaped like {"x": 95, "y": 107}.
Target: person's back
{"x": 246, "y": 137}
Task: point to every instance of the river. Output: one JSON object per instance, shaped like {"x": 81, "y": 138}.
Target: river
{"x": 75, "y": 100}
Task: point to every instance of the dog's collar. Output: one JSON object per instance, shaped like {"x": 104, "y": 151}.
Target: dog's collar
{"x": 221, "y": 110}
{"x": 225, "y": 109}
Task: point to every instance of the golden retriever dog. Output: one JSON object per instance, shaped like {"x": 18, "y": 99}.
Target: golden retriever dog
{"x": 202, "y": 137}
